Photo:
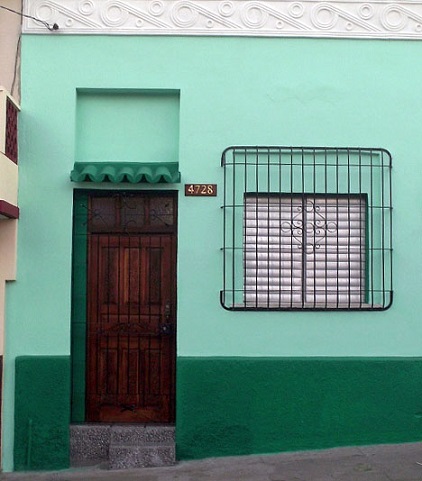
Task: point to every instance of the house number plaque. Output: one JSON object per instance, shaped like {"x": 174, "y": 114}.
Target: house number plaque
{"x": 201, "y": 190}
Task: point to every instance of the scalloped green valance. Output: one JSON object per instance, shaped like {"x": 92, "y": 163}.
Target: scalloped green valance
{"x": 132, "y": 172}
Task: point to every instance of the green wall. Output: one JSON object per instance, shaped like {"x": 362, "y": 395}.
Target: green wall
{"x": 245, "y": 91}
{"x": 42, "y": 412}
{"x": 78, "y": 327}
{"x": 232, "y": 406}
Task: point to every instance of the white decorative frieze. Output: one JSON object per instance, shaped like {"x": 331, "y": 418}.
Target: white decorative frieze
{"x": 272, "y": 18}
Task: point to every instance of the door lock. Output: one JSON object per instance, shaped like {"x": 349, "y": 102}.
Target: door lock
{"x": 166, "y": 329}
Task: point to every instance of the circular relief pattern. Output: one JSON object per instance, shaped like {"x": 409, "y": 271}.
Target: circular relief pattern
{"x": 226, "y": 9}
{"x": 210, "y": 24}
{"x": 139, "y": 23}
{"x": 156, "y": 8}
{"x": 69, "y": 22}
{"x": 323, "y": 16}
{"x": 349, "y": 26}
{"x": 184, "y": 15}
{"x": 418, "y": 27}
{"x": 86, "y": 7}
{"x": 392, "y": 18}
{"x": 113, "y": 15}
{"x": 366, "y": 11}
{"x": 296, "y": 10}
{"x": 253, "y": 15}
{"x": 45, "y": 13}
{"x": 280, "y": 24}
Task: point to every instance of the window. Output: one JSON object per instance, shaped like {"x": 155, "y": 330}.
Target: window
{"x": 314, "y": 233}
{"x": 306, "y": 250}
{"x": 11, "y": 147}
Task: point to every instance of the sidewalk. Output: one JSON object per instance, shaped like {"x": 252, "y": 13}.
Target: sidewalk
{"x": 391, "y": 462}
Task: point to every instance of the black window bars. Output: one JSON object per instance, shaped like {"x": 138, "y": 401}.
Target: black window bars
{"x": 307, "y": 228}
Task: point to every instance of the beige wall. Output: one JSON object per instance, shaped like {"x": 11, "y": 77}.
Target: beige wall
{"x": 8, "y": 240}
{"x": 10, "y": 27}
{"x": 8, "y": 227}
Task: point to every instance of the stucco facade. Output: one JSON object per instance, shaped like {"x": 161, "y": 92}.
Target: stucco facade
{"x": 201, "y": 77}
{"x": 9, "y": 211}
{"x": 10, "y": 30}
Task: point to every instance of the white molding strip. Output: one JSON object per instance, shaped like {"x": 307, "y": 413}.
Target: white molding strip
{"x": 271, "y": 18}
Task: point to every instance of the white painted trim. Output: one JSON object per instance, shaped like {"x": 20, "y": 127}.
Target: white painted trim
{"x": 271, "y": 18}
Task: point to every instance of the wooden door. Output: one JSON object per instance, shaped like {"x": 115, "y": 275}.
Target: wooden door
{"x": 131, "y": 327}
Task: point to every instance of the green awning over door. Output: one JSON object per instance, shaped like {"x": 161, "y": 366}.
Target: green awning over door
{"x": 132, "y": 172}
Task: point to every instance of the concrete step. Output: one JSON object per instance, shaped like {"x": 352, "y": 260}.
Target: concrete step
{"x": 89, "y": 444}
{"x": 141, "y": 435}
{"x": 128, "y": 457}
{"x": 120, "y": 446}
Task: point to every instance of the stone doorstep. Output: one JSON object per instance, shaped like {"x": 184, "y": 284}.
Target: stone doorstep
{"x": 89, "y": 444}
{"x": 141, "y": 435}
{"x": 118, "y": 446}
{"x": 125, "y": 457}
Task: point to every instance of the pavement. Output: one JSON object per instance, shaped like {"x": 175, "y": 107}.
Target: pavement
{"x": 390, "y": 462}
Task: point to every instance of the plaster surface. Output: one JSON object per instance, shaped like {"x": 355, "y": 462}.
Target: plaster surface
{"x": 233, "y": 91}
{"x": 275, "y": 18}
{"x": 42, "y": 413}
{"x": 232, "y": 406}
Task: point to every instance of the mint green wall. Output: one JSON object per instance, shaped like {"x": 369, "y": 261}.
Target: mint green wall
{"x": 232, "y": 91}
{"x": 137, "y": 126}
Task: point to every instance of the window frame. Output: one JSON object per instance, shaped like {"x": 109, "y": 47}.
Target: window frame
{"x": 316, "y": 171}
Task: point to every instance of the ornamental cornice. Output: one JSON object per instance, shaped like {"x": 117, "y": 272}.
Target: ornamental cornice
{"x": 272, "y": 18}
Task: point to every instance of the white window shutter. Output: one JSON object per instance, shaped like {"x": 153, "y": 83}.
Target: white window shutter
{"x": 334, "y": 271}
{"x": 304, "y": 251}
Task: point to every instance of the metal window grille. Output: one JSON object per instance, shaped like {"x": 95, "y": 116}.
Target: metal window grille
{"x": 11, "y": 148}
{"x": 307, "y": 228}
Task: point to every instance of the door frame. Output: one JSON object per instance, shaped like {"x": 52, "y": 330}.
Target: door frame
{"x": 79, "y": 292}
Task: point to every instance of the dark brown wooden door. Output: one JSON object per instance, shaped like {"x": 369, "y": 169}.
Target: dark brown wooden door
{"x": 131, "y": 327}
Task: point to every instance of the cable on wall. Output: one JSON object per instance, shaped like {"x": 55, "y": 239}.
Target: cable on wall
{"x": 52, "y": 27}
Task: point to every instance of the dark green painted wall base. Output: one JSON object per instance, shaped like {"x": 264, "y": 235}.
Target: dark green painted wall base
{"x": 42, "y": 412}
{"x": 233, "y": 406}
